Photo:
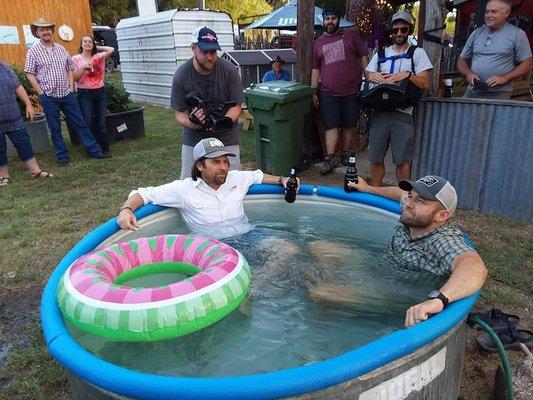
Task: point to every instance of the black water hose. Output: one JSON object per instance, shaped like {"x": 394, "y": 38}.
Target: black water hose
{"x": 501, "y": 351}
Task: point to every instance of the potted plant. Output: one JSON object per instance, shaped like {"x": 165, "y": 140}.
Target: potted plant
{"x": 37, "y": 130}
{"x": 124, "y": 118}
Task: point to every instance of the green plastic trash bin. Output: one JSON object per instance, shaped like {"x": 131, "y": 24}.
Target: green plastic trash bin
{"x": 279, "y": 109}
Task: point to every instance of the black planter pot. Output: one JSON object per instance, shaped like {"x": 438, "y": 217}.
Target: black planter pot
{"x": 126, "y": 124}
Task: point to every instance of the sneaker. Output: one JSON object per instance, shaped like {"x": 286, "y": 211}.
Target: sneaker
{"x": 329, "y": 164}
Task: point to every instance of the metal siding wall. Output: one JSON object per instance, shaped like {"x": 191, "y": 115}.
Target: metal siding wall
{"x": 74, "y": 13}
{"x": 151, "y": 48}
{"x": 484, "y": 148}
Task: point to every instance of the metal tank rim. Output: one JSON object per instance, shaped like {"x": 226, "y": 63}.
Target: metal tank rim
{"x": 276, "y": 384}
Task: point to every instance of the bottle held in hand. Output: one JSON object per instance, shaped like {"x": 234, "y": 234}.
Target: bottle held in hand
{"x": 351, "y": 174}
{"x": 292, "y": 187}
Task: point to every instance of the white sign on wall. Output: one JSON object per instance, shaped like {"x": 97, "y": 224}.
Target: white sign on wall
{"x": 9, "y": 35}
{"x": 28, "y": 37}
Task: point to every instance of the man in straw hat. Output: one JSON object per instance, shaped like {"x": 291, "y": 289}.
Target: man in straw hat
{"x": 276, "y": 73}
{"x": 50, "y": 71}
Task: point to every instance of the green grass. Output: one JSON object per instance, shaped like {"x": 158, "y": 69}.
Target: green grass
{"x": 41, "y": 220}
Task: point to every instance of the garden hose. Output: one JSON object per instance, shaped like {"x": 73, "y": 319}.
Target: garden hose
{"x": 501, "y": 351}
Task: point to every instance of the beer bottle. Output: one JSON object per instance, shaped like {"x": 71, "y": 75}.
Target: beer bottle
{"x": 292, "y": 186}
{"x": 351, "y": 174}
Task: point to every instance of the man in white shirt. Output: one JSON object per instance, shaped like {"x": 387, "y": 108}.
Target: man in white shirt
{"x": 211, "y": 201}
{"x": 395, "y": 127}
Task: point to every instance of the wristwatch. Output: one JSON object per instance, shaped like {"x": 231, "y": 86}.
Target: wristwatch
{"x": 435, "y": 294}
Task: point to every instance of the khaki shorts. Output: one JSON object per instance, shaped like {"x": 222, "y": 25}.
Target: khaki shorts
{"x": 396, "y": 128}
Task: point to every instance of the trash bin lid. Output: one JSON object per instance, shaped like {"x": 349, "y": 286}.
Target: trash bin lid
{"x": 281, "y": 91}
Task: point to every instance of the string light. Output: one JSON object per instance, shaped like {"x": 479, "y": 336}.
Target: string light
{"x": 362, "y": 13}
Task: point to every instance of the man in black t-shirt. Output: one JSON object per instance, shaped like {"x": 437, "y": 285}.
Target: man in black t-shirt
{"x": 216, "y": 81}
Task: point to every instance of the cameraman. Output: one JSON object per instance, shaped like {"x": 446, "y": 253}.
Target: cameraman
{"x": 216, "y": 81}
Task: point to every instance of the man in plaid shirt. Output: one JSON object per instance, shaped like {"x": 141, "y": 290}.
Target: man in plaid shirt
{"x": 425, "y": 240}
{"x": 49, "y": 70}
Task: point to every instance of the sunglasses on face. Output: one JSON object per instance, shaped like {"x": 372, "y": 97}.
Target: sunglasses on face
{"x": 402, "y": 29}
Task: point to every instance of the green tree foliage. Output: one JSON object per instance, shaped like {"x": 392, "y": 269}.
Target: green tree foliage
{"x": 235, "y": 8}
{"x": 109, "y": 12}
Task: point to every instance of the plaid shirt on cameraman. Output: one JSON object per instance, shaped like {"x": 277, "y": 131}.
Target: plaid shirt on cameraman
{"x": 50, "y": 68}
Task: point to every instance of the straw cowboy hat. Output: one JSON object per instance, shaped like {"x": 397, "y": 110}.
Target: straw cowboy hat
{"x": 41, "y": 23}
{"x": 277, "y": 59}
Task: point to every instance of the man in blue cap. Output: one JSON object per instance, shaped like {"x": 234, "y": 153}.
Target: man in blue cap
{"x": 216, "y": 81}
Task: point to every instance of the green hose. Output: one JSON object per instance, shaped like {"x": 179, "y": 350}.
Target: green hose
{"x": 501, "y": 351}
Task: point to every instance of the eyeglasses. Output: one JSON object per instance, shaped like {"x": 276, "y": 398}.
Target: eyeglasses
{"x": 403, "y": 29}
{"x": 489, "y": 38}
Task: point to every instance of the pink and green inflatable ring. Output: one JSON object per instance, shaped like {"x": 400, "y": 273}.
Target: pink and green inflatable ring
{"x": 93, "y": 296}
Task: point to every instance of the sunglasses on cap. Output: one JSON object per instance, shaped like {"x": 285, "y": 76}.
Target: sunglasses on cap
{"x": 403, "y": 29}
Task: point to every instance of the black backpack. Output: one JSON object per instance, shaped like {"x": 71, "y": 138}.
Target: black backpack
{"x": 390, "y": 96}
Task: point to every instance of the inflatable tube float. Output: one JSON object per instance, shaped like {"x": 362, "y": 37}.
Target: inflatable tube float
{"x": 93, "y": 294}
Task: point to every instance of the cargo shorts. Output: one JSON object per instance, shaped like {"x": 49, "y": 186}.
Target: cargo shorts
{"x": 395, "y": 128}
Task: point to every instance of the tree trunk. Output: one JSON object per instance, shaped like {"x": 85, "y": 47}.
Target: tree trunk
{"x": 434, "y": 18}
{"x": 306, "y": 19}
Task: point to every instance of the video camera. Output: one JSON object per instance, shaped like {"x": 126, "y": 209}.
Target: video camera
{"x": 215, "y": 115}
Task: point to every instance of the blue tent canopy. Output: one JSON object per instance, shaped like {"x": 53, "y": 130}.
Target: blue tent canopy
{"x": 285, "y": 18}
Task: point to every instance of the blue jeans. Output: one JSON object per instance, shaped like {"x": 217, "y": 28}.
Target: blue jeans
{"x": 70, "y": 107}
{"x": 93, "y": 103}
{"x": 22, "y": 143}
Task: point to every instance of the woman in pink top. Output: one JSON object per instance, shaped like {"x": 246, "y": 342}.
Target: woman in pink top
{"x": 92, "y": 95}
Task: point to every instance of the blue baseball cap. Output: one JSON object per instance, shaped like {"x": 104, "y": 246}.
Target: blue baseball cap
{"x": 205, "y": 38}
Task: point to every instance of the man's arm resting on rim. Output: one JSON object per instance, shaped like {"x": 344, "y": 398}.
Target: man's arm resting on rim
{"x": 267, "y": 178}
{"x": 125, "y": 218}
{"x": 390, "y": 192}
{"x": 468, "y": 276}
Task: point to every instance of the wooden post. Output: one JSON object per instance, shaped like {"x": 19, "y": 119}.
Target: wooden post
{"x": 435, "y": 14}
{"x": 305, "y": 29}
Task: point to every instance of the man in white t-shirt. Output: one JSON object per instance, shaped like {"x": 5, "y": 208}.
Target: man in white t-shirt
{"x": 396, "y": 126}
{"x": 210, "y": 201}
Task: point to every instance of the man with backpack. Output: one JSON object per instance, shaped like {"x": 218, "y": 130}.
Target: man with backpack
{"x": 393, "y": 65}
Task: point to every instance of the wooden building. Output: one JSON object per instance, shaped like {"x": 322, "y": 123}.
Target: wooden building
{"x": 17, "y": 15}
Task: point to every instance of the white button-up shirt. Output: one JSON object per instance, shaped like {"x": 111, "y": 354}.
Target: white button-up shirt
{"x": 215, "y": 213}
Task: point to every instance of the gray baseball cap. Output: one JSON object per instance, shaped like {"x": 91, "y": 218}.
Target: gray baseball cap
{"x": 210, "y": 148}
{"x": 433, "y": 187}
{"x": 403, "y": 16}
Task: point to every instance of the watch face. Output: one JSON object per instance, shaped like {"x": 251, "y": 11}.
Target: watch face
{"x": 433, "y": 294}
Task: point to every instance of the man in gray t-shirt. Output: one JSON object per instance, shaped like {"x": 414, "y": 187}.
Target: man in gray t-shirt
{"x": 216, "y": 81}
{"x": 498, "y": 53}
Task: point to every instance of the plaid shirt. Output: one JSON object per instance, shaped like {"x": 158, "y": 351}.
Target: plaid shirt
{"x": 434, "y": 251}
{"x": 10, "y": 118}
{"x": 50, "y": 68}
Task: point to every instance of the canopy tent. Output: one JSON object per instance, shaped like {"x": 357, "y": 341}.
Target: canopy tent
{"x": 285, "y": 18}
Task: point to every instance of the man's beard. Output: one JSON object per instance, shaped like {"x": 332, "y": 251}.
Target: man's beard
{"x": 399, "y": 40}
{"x": 331, "y": 29}
{"x": 220, "y": 179}
{"x": 207, "y": 66}
{"x": 412, "y": 221}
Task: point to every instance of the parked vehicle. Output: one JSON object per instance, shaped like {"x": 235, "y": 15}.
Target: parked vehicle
{"x": 106, "y": 36}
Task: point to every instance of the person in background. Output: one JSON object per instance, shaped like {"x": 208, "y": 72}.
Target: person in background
{"x": 217, "y": 81}
{"x": 339, "y": 59}
{"x": 49, "y": 70}
{"x": 92, "y": 96}
{"x": 497, "y": 52}
{"x": 396, "y": 127}
{"x": 12, "y": 126}
{"x": 276, "y": 73}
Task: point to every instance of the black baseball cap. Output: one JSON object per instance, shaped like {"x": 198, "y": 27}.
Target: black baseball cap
{"x": 205, "y": 38}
